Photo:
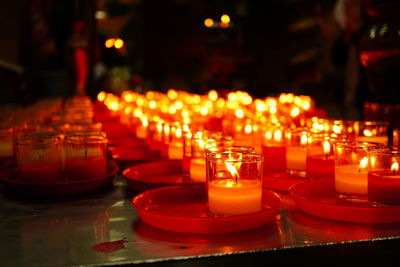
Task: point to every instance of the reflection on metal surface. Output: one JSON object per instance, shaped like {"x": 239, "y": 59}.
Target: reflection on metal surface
{"x": 63, "y": 231}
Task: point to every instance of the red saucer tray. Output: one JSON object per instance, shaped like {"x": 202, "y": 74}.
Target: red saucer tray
{"x": 184, "y": 208}
{"x": 145, "y": 176}
{"x": 63, "y": 188}
{"x": 280, "y": 181}
{"x": 318, "y": 198}
{"x": 128, "y": 157}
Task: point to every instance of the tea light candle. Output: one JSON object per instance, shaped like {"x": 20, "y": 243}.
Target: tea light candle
{"x": 234, "y": 197}
{"x": 198, "y": 169}
{"x": 351, "y": 173}
{"x": 384, "y": 176}
{"x": 296, "y": 152}
{"x": 274, "y": 149}
{"x": 321, "y": 165}
{"x": 352, "y": 179}
{"x": 175, "y": 151}
{"x": 85, "y": 157}
{"x": 234, "y": 183}
{"x": 6, "y": 142}
{"x": 39, "y": 160}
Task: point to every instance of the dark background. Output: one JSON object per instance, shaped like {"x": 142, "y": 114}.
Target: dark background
{"x": 269, "y": 47}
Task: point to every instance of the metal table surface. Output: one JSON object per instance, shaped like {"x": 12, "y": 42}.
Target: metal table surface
{"x": 102, "y": 228}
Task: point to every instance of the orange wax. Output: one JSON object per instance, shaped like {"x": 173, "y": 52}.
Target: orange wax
{"x": 78, "y": 168}
{"x": 198, "y": 169}
{"x": 175, "y": 151}
{"x": 232, "y": 198}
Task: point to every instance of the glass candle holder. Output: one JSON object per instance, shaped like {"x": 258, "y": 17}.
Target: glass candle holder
{"x": 234, "y": 183}
{"x": 86, "y": 156}
{"x": 6, "y": 142}
{"x": 296, "y": 152}
{"x": 320, "y": 162}
{"x": 384, "y": 175}
{"x": 198, "y": 158}
{"x": 371, "y": 131}
{"x": 396, "y": 134}
{"x": 273, "y": 148}
{"x": 39, "y": 159}
{"x": 351, "y": 170}
{"x": 175, "y": 145}
{"x": 187, "y": 150}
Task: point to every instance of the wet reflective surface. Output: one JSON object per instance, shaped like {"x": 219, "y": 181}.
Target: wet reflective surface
{"x": 103, "y": 228}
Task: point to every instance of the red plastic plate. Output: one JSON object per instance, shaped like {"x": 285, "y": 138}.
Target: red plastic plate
{"x": 145, "y": 176}
{"x": 183, "y": 208}
{"x": 317, "y": 197}
{"x": 129, "y": 157}
{"x": 280, "y": 181}
{"x": 62, "y": 188}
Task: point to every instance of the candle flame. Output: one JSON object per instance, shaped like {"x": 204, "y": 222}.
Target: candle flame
{"x": 303, "y": 139}
{"x": 363, "y": 163}
{"x": 367, "y": 133}
{"x": 268, "y": 135}
{"x": 231, "y": 168}
{"x": 327, "y": 147}
{"x": 395, "y": 166}
{"x": 278, "y": 135}
{"x": 248, "y": 129}
{"x": 178, "y": 133}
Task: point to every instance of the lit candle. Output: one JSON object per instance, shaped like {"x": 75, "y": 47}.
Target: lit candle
{"x": 233, "y": 198}
{"x": 85, "y": 157}
{"x": 175, "y": 151}
{"x": 296, "y": 153}
{"x": 352, "y": 179}
{"x": 384, "y": 176}
{"x": 321, "y": 166}
{"x": 39, "y": 159}
{"x": 274, "y": 150}
{"x": 198, "y": 169}
{"x": 371, "y": 131}
{"x": 231, "y": 192}
{"x": 6, "y": 142}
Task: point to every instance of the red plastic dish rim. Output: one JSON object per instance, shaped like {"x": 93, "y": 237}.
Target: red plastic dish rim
{"x": 137, "y": 198}
{"x": 358, "y": 214}
{"x": 111, "y": 166}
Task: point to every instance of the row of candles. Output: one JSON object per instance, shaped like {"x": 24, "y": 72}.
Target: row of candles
{"x": 227, "y": 142}
{"x": 255, "y": 137}
{"x": 54, "y": 141}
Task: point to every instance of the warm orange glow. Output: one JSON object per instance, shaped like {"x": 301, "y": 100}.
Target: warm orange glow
{"x": 363, "y": 163}
{"x": 208, "y": 23}
{"x": 239, "y": 113}
{"x": 248, "y": 129}
{"x": 172, "y": 94}
{"x": 260, "y": 105}
{"x": 278, "y": 135}
{"x": 119, "y": 43}
{"x": 213, "y": 95}
{"x": 178, "y": 133}
{"x": 204, "y": 111}
{"x": 395, "y": 166}
{"x": 101, "y": 96}
{"x": 232, "y": 170}
{"x": 109, "y": 42}
{"x": 152, "y": 104}
{"x": 295, "y": 112}
{"x": 367, "y": 132}
{"x": 303, "y": 139}
{"x": 327, "y": 147}
{"x": 225, "y": 19}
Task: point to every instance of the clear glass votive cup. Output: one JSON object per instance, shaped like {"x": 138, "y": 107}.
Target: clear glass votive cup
{"x": 6, "y": 142}
{"x": 234, "y": 183}
{"x": 39, "y": 159}
{"x": 296, "y": 152}
{"x": 320, "y": 162}
{"x": 396, "y": 135}
{"x": 351, "y": 170}
{"x": 273, "y": 148}
{"x": 371, "y": 131}
{"x": 384, "y": 175}
{"x": 85, "y": 156}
